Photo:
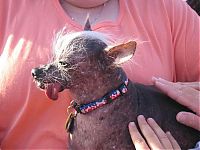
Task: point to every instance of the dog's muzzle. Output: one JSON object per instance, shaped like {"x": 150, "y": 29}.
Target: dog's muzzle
{"x": 51, "y": 88}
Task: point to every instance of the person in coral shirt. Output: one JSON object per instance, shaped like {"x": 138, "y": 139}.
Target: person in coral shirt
{"x": 168, "y": 35}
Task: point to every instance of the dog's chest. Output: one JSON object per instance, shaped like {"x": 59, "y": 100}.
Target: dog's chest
{"x": 105, "y": 131}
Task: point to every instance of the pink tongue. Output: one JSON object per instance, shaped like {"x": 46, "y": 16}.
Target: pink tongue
{"x": 52, "y": 91}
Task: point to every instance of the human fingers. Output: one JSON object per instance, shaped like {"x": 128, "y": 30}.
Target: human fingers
{"x": 149, "y": 134}
{"x": 136, "y": 137}
{"x": 160, "y": 134}
{"x": 174, "y": 143}
{"x": 195, "y": 85}
{"x": 189, "y": 119}
{"x": 184, "y": 95}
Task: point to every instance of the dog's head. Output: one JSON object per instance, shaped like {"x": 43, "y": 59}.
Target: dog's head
{"x": 79, "y": 57}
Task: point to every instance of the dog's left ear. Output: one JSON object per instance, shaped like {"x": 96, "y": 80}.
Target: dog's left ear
{"x": 122, "y": 52}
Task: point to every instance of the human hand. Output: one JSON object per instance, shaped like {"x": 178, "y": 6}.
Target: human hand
{"x": 187, "y": 94}
{"x": 156, "y": 138}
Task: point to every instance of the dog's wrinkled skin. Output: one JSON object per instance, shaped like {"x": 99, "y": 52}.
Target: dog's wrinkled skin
{"x": 86, "y": 65}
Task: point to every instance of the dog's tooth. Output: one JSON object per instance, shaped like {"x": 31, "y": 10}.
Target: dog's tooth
{"x": 38, "y": 83}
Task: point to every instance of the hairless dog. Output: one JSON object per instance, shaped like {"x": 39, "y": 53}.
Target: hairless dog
{"x": 105, "y": 102}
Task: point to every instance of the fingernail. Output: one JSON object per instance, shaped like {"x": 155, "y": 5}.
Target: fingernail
{"x": 131, "y": 124}
{"x": 141, "y": 117}
{"x": 164, "y": 81}
{"x": 168, "y": 132}
{"x": 180, "y": 116}
{"x": 159, "y": 79}
{"x": 159, "y": 83}
{"x": 154, "y": 78}
{"x": 150, "y": 119}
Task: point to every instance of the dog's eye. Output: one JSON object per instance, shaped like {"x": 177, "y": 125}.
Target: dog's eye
{"x": 63, "y": 63}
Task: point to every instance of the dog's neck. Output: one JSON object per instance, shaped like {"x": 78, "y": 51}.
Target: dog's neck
{"x": 94, "y": 88}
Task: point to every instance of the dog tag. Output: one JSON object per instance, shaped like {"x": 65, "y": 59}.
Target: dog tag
{"x": 70, "y": 123}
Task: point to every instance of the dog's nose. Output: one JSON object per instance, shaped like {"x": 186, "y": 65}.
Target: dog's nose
{"x": 36, "y": 72}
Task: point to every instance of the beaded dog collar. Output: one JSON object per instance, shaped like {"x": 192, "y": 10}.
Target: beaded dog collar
{"x": 106, "y": 99}
{"x": 86, "y": 108}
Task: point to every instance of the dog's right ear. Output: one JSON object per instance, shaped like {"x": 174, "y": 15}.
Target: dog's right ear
{"x": 122, "y": 52}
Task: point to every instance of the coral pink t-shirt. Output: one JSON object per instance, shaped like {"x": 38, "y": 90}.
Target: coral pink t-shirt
{"x": 168, "y": 31}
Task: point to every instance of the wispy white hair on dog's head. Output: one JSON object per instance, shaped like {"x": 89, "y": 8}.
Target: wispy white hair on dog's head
{"x": 63, "y": 39}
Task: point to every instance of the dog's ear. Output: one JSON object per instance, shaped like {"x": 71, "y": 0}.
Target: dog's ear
{"x": 122, "y": 52}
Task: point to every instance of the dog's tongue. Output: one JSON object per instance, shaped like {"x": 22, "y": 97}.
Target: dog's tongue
{"x": 52, "y": 91}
